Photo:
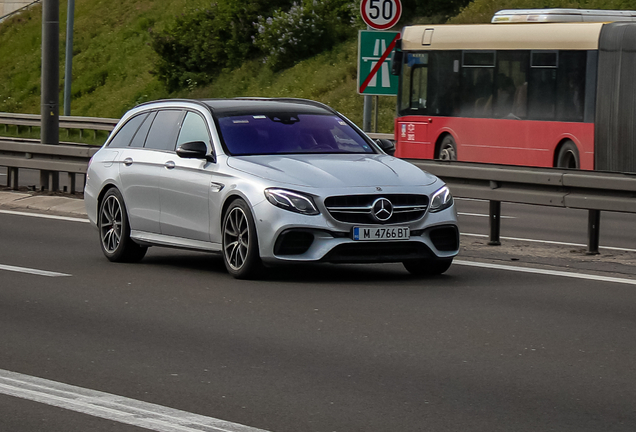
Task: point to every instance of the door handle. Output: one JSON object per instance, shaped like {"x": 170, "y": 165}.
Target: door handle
{"x": 128, "y": 161}
{"x": 169, "y": 165}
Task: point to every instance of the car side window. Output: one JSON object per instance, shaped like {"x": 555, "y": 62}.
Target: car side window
{"x": 140, "y": 137}
{"x": 193, "y": 129}
{"x": 125, "y": 134}
{"x": 163, "y": 132}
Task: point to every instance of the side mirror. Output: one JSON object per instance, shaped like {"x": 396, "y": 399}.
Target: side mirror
{"x": 195, "y": 150}
{"x": 387, "y": 146}
{"x": 396, "y": 60}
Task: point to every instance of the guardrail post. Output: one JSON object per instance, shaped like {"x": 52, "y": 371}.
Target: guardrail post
{"x": 593, "y": 231}
{"x": 495, "y": 223}
{"x": 12, "y": 180}
{"x": 71, "y": 182}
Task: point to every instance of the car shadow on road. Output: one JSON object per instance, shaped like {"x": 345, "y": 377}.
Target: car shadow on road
{"x": 317, "y": 273}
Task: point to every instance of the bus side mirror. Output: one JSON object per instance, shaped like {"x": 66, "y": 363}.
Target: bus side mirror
{"x": 396, "y": 60}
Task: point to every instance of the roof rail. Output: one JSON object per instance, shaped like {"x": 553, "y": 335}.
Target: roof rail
{"x": 293, "y": 100}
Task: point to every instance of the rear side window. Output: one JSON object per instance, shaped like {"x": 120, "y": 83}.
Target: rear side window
{"x": 164, "y": 130}
{"x": 140, "y": 137}
{"x": 125, "y": 134}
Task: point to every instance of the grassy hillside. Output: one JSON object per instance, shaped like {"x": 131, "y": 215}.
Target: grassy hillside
{"x": 113, "y": 61}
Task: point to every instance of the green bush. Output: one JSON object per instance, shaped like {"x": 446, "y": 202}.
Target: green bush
{"x": 203, "y": 42}
{"x": 305, "y": 30}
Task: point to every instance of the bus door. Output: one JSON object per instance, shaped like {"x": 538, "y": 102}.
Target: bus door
{"x": 411, "y": 128}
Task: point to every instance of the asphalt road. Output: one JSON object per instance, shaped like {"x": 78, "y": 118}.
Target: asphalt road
{"x": 324, "y": 348}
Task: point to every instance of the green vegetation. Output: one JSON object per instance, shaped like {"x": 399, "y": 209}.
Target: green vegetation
{"x": 115, "y": 66}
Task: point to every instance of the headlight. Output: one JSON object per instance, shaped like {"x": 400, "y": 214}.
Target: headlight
{"x": 442, "y": 199}
{"x": 292, "y": 201}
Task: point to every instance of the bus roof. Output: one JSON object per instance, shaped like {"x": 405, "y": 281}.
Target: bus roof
{"x": 566, "y": 36}
{"x": 561, "y": 15}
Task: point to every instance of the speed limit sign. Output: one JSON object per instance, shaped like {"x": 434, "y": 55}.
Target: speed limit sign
{"x": 381, "y": 14}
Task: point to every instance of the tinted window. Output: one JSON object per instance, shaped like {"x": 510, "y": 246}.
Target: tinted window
{"x": 124, "y": 135}
{"x": 443, "y": 83}
{"x": 511, "y": 84}
{"x": 163, "y": 132}
{"x": 571, "y": 87}
{"x": 194, "y": 128}
{"x": 477, "y": 90}
{"x": 140, "y": 137}
{"x": 290, "y": 133}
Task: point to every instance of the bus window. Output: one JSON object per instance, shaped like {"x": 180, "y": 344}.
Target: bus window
{"x": 571, "y": 85}
{"x": 443, "y": 86}
{"x": 512, "y": 84}
{"x": 414, "y": 84}
{"x": 542, "y": 85}
{"x": 419, "y": 82}
{"x": 477, "y": 83}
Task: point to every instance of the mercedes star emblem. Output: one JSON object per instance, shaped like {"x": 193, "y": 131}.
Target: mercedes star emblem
{"x": 382, "y": 209}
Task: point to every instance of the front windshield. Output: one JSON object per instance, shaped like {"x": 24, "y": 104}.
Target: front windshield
{"x": 289, "y": 133}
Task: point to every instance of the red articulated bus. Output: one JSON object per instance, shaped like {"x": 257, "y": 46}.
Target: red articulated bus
{"x": 546, "y": 95}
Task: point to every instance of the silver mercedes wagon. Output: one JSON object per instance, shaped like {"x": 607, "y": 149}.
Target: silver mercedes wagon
{"x": 264, "y": 181}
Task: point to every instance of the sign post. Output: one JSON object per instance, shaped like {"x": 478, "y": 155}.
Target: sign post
{"x": 378, "y": 15}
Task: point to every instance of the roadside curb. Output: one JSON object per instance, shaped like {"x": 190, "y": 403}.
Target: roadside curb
{"x": 51, "y": 204}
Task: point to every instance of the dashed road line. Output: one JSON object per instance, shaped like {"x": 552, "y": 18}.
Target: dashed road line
{"x": 32, "y": 271}
{"x": 112, "y": 407}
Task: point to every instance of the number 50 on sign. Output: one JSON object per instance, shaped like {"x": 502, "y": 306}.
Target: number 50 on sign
{"x": 381, "y": 14}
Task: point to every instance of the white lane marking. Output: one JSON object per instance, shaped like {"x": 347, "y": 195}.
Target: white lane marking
{"x": 551, "y": 242}
{"x": 484, "y": 215}
{"x": 44, "y": 216}
{"x": 32, "y": 271}
{"x": 546, "y": 272}
{"x": 112, "y": 407}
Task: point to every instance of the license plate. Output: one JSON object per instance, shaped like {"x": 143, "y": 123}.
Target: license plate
{"x": 380, "y": 233}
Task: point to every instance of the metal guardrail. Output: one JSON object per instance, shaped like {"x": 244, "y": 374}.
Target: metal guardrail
{"x": 588, "y": 190}
{"x": 16, "y": 153}
{"x": 66, "y": 122}
{"x": 71, "y": 158}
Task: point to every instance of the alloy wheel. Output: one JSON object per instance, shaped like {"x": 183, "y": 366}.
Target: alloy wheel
{"x": 111, "y": 224}
{"x": 236, "y": 238}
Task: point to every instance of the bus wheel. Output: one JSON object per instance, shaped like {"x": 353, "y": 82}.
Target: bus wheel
{"x": 568, "y": 156}
{"x": 448, "y": 149}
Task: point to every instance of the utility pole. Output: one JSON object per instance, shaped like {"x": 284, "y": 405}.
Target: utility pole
{"x": 50, "y": 99}
{"x": 68, "y": 68}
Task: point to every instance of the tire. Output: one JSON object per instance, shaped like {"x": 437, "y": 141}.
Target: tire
{"x": 568, "y": 156}
{"x": 428, "y": 267}
{"x": 447, "y": 149}
{"x": 240, "y": 243}
{"x": 114, "y": 230}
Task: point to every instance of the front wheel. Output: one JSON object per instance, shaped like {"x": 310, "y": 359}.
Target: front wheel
{"x": 114, "y": 230}
{"x": 428, "y": 267}
{"x": 448, "y": 149}
{"x": 240, "y": 244}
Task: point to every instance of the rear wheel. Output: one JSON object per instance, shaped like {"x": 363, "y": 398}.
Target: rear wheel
{"x": 568, "y": 156}
{"x": 240, "y": 244}
{"x": 428, "y": 267}
{"x": 114, "y": 230}
{"x": 447, "y": 149}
